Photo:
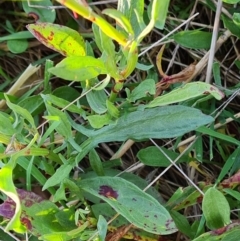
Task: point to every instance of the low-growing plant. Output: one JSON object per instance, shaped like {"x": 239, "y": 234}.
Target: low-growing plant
{"x": 98, "y": 202}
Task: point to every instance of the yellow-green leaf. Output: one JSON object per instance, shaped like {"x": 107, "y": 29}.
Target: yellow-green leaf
{"x": 62, "y": 39}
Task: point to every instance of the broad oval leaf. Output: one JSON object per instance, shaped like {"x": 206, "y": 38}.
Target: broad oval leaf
{"x": 194, "y": 39}
{"x": 215, "y": 209}
{"x": 152, "y": 156}
{"x": 62, "y": 39}
{"x": 160, "y": 122}
{"x": 79, "y": 68}
{"x": 136, "y": 206}
{"x": 17, "y": 46}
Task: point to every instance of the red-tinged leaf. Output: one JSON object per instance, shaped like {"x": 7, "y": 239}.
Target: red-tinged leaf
{"x": 230, "y": 232}
{"x": 27, "y": 199}
{"x": 231, "y": 181}
{"x": 216, "y": 209}
{"x": 62, "y": 39}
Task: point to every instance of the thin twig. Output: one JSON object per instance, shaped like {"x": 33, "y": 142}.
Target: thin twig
{"x": 166, "y": 36}
{"x": 202, "y": 63}
{"x": 213, "y": 43}
{"x": 173, "y": 163}
{"x": 29, "y": 71}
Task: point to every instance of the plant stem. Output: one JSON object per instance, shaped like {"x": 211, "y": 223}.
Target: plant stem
{"x": 85, "y": 11}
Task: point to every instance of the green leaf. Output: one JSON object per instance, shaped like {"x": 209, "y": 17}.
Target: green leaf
{"x": 97, "y": 36}
{"x": 120, "y": 19}
{"x": 59, "y": 102}
{"x": 144, "y": 67}
{"x": 107, "y": 47}
{"x": 186, "y": 92}
{"x": 231, "y": 233}
{"x": 182, "y": 223}
{"x": 102, "y": 228}
{"x": 236, "y": 19}
{"x": 66, "y": 92}
{"x": 133, "y": 10}
{"x": 43, "y": 217}
{"x": 112, "y": 109}
{"x": 199, "y": 148}
{"x": 45, "y": 14}
{"x": 98, "y": 121}
{"x": 231, "y": 26}
{"x": 232, "y": 159}
{"x": 17, "y": 46}
{"x": 146, "y": 87}
{"x": 34, "y": 104}
{"x": 136, "y": 206}
{"x": 97, "y": 101}
{"x": 157, "y": 11}
{"x": 62, "y": 39}
{"x": 136, "y": 180}
{"x": 79, "y": 68}
{"x": 61, "y": 173}
{"x": 217, "y": 73}
{"x": 60, "y": 193}
{"x": 35, "y": 172}
{"x": 96, "y": 162}
{"x": 103, "y": 209}
{"x": 215, "y": 209}
{"x": 6, "y": 125}
{"x": 218, "y": 135}
{"x": 231, "y": 1}
{"x": 237, "y": 63}
{"x": 108, "y": 212}
{"x": 152, "y": 156}
{"x": 19, "y": 35}
{"x": 160, "y": 122}
{"x": 64, "y": 128}
{"x": 232, "y": 193}
{"x": 4, "y": 236}
{"x": 22, "y": 112}
{"x": 183, "y": 198}
{"x": 194, "y": 39}
{"x": 7, "y": 187}
{"x": 110, "y": 63}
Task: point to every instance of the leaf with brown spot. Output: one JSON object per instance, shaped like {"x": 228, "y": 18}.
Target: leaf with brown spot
{"x": 62, "y": 39}
{"x": 138, "y": 207}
